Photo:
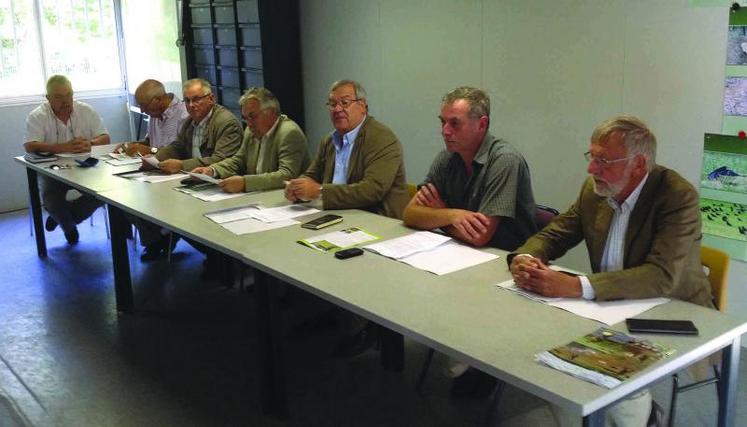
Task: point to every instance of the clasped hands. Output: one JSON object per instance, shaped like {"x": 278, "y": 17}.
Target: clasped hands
{"x": 80, "y": 145}
{"x": 535, "y": 276}
{"x": 302, "y": 189}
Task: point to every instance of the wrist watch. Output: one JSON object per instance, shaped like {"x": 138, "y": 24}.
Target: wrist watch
{"x": 153, "y": 150}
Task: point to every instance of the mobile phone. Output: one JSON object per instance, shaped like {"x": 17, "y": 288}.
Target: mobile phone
{"x": 322, "y": 221}
{"x": 87, "y": 163}
{"x": 659, "y": 326}
{"x": 348, "y": 253}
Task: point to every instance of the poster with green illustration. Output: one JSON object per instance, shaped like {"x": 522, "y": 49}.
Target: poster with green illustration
{"x": 723, "y": 186}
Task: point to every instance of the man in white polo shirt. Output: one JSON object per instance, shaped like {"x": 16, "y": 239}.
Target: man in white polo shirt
{"x": 62, "y": 125}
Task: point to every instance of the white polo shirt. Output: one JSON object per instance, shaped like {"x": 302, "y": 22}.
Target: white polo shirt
{"x": 43, "y": 126}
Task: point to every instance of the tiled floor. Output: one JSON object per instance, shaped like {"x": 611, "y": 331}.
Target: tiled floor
{"x": 187, "y": 356}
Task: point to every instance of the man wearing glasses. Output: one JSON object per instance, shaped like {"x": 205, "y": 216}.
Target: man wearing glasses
{"x": 358, "y": 166}
{"x": 166, "y": 112}
{"x": 641, "y": 224}
{"x": 63, "y": 125}
{"x": 274, "y": 149}
{"x": 210, "y": 134}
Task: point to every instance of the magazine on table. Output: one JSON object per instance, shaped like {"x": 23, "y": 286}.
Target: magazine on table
{"x": 604, "y": 357}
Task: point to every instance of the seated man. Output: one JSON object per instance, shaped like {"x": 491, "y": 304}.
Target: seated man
{"x": 62, "y": 125}
{"x": 641, "y": 225}
{"x": 166, "y": 113}
{"x": 210, "y": 134}
{"x": 478, "y": 189}
{"x": 274, "y": 149}
{"x": 358, "y": 166}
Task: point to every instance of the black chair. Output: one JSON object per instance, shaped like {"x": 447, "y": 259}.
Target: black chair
{"x": 542, "y": 217}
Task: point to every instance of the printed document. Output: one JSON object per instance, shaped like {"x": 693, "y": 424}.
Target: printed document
{"x": 251, "y": 225}
{"x": 607, "y": 312}
{"x": 447, "y": 258}
{"x": 407, "y": 245}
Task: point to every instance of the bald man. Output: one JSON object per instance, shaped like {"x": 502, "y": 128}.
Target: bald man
{"x": 167, "y": 115}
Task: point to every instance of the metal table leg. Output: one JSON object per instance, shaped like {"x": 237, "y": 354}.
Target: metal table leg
{"x": 36, "y": 213}
{"x": 271, "y": 376}
{"x": 120, "y": 260}
{"x": 728, "y": 384}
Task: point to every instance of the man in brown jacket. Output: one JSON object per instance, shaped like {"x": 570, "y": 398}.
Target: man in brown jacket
{"x": 641, "y": 224}
{"x": 359, "y": 166}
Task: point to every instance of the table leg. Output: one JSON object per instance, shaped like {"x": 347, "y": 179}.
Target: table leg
{"x": 728, "y": 384}
{"x": 595, "y": 419}
{"x": 36, "y": 213}
{"x": 120, "y": 260}
{"x": 271, "y": 377}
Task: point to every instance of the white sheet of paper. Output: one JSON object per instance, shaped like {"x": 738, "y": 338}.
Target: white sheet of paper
{"x": 251, "y": 225}
{"x": 203, "y": 177}
{"x": 607, "y": 312}
{"x": 233, "y": 214}
{"x": 408, "y": 245}
{"x": 447, "y": 258}
{"x": 151, "y": 160}
{"x": 101, "y": 150}
{"x": 73, "y": 155}
{"x": 122, "y": 162}
{"x": 283, "y": 212}
{"x": 216, "y": 194}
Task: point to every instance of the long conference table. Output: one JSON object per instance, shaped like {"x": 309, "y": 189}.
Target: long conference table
{"x": 461, "y": 314}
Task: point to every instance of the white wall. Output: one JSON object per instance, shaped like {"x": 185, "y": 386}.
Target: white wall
{"x": 553, "y": 69}
{"x": 14, "y": 191}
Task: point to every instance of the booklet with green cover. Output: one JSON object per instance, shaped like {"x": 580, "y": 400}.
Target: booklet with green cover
{"x": 337, "y": 240}
{"x": 604, "y": 357}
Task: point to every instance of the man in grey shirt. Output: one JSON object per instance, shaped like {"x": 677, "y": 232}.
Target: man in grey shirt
{"x": 478, "y": 189}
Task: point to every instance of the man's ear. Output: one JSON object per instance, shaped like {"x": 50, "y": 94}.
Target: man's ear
{"x": 484, "y": 123}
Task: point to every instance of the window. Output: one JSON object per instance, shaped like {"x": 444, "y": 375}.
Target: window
{"x": 77, "y": 38}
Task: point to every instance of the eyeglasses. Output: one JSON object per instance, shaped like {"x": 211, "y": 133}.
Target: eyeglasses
{"x": 604, "y": 162}
{"x": 195, "y": 99}
{"x": 344, "y": 103}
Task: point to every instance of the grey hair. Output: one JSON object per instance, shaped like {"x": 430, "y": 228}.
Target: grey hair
{"x": 58, "y": 80}
{"x": 206, "y": 90}
{"x": 360, "y": 93}
{"x": 478, "y": 100}
{"x": 150, "y": 89}
{"x": 637, "y": 137}
{"x": 265, "y": 98}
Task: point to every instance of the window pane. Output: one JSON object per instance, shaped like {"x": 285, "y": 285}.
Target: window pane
{"x": 20, "y": 61}
{"x": 80, "y": 41}
{"x": 151, "y": 54}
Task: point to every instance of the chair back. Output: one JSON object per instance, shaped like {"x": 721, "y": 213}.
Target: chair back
{"x": 717, "y": 262}
{"x": 544, "y": 215}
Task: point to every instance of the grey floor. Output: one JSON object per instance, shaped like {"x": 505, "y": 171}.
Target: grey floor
{"x": 187, "y": 357}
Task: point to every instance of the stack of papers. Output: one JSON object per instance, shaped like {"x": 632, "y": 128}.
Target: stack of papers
{"x": 254, "y": 218}
{"x": 116, "y": 159}
{"x": 431, "y": 252}
{"x": 206, "y": 191}
{"x": 607, "y": 312}
{"x": 149, "y": 176}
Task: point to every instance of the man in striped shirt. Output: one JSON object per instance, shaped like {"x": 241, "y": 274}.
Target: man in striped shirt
{"x": 167, "y": 115}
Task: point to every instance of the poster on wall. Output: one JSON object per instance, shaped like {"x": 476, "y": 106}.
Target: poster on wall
{"x": 723, "y": 191}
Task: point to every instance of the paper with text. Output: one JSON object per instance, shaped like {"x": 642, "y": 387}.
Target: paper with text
{"x": 401, "y": 247}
